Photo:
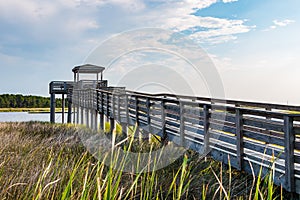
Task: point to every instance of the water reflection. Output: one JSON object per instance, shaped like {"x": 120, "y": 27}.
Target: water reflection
{"x": 25, "y": 116}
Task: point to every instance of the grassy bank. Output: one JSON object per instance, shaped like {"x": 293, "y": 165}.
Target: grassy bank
{"x": 31, "y": 110}
{"x": 45, "y": 161}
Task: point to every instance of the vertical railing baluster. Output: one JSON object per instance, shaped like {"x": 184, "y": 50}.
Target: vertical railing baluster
{"x": 137, "y": 111}
{"x": 52, "y": 111}
{"x": 206, "y": 128}
{"x": 289, "y": 148}
{"x": 69, "y": 100}
{"x": 163, "y": 120}
{"x": 119, "y": 108}
{"x": 107, "y": 105}
{"x": 239, "y": 138}
{"x": 181, "y": 114}
{"x": 74, "y": 100}
{"x": 112, "y": 125}
{"x": 91, "y": 109}
{"x": 148, "y": 114}
{"x": 95, "y": 110}
{"x": 78, "y": 106}
{"x": 127, "y": 109}
{"x": 101, "y": 111}
{"x": 113, "y": 104}
{"x": 87, "y": 108}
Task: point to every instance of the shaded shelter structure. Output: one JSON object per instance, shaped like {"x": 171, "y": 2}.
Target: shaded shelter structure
{"x": 88, "y": 69}
{"x": 85, "y": 112}
{"x": 65, "y": 88}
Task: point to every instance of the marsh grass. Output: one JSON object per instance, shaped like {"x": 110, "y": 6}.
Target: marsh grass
{"x": 48, "y": 161}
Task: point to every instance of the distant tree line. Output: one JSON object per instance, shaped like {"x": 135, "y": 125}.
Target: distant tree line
{"x": 28, "y": 101}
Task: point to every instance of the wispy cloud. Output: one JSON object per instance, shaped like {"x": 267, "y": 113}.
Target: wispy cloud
{"x": 180, "y": 17}
{"x": 229, "y": 1}
{"x": 220, "y": 30}
{"x": 71, "y": 19}
{"x": 283, "y": 22}
{"x": 280, "y": 23}
{"x": 67, "y": 17}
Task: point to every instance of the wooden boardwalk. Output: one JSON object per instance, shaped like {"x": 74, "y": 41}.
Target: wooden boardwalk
{"x": 246, "y": 134}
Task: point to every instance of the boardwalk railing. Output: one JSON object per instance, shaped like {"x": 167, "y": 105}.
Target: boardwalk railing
{"x": 248, "y": 135}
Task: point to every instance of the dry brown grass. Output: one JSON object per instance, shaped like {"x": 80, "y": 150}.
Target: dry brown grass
{"x": 48, "y": 161}
{"x": 26, "y": 149}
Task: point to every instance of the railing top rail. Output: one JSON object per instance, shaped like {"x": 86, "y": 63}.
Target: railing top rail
{"x": 214, "y": 100}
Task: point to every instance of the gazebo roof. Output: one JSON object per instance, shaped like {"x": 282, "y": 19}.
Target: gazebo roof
{"x": 88, "y": 69}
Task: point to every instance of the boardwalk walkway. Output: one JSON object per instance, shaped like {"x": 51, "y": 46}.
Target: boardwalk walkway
{"x": 248, "y": 134}
{"x": 251, "y": 136}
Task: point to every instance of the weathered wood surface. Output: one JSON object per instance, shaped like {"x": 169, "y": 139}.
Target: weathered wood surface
{"x": 250, "y": 134}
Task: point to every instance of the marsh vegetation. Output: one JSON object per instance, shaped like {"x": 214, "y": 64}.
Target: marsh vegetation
{"x": 49, "y": 161}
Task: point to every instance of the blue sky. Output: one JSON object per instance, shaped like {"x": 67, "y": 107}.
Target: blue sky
{"x": 254, "y": 44}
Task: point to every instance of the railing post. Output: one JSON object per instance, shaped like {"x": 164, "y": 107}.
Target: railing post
{"x": 137, "y": 133}
{"x": 181, "y": 113}
{"x": 102, "y": 111}
{"x": 63, "y": 108}
{"x": 206, "y": 128}
{"x": 118, "y": 108}
{"x": 148, "y": 114}
{"x": 52, "y": 108}
{"x": 289, "y": 146}
{"x": 107, "y": 106}
{"x": 79, "y": 93}
{"x": 239, "y": 138}
{"x": 78, "y": 106}
{"x": 81, "y": 108}
{"x": 69, "y": 100}
{"x": 112, "y": 125}
{"x": 126, "y": 107}
{"x": 113, "y": 105}
{"x": 97, "y": 100}
{"x": 95, "y": 119}
{"x": 163, "y": 120}
{"x": 96, "y": 109}
{"x": 75, "y": 100}
{"x": 86, "y": 109}
{"x": 137, "y": 112}
{"x": 91, "y": 108}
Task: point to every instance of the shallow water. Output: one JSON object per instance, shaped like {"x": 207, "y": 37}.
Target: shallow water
{"x": 25, "y": 116}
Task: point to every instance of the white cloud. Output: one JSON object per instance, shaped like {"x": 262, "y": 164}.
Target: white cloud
{"x": 74, "y": 17}
{"x": 179, "y": 16}
{"x": 26, "y": 11}
{"x": 217, "y": 30}
{"x": 78, "y": 25}
{"x": 283, "y": 22}
{"x": 130, "y": 5}
{"x": 229, "y": 1}
{"x": 60, "y": 15}
{"x": 280, "y": 23}
{"x": 82, "y": 24}
{"x": 214, "y": 40}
